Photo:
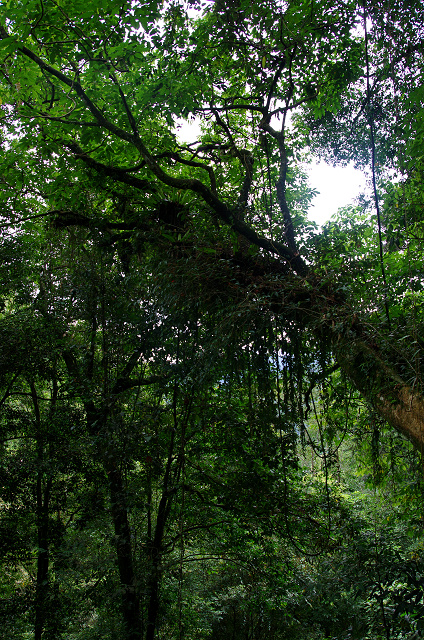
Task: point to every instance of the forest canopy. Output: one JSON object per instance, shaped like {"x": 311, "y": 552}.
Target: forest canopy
{"x": 211, "y": 411}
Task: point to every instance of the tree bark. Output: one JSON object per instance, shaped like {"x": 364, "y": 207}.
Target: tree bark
{"x": 42, "y": 581}
{"x": 42, "y": 511}
{"x": 157, "y": 545}
{"x": 395, "y": 400}
{"x": 130, "y": 605}
{"x": 96, "y": 425}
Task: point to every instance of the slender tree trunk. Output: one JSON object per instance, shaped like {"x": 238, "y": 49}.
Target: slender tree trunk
{"x": 156, "y": 557}
{"x": 156, "y": 545}
{"x": 154, "y": 583}
{"x": 130, "y": 601}
{"x": 42, "y": 584}
{"x": 42, "y": 512}
{"x": 130, "y": 604}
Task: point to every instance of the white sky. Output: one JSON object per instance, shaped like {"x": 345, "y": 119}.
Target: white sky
{"x": 337, "y": 186}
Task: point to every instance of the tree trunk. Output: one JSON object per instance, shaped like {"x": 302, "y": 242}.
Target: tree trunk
{"x": 130, "y": 602}
{"x": 42, "y": 583}
{"x": 156, "y": 557}
{"x": 130, "y": 605}
{"x": 42, "y": 512}
{"x": 157, "y": 544}
{"x": 395, "y": 400}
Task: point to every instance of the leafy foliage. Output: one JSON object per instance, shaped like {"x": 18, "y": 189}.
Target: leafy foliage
{"x": 204, "y": 398}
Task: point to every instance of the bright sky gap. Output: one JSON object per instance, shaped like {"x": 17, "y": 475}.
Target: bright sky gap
{"x": 337, "y": 186}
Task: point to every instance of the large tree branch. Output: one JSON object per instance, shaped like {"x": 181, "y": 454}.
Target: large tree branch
{"x": 279, "y": 136}
{"x": 117, "y": 173}
{"x": 395, "y": 400}
{"x": 222, "y": 210}
{"x": 190, "y": 163}
{"x": 219, "y": 207}
{"x": 246, "y": 160}
{"x": 128, "y": 111}
{"x": 274, "y": 82}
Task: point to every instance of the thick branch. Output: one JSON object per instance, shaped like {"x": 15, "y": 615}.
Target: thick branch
{"x": 192, "y": 184}
{"x": 130, "y": 116}
{"x": 191, "y": 163}
{"x": 392, "y": 397}
{"x": 243, "y": 198}
{"x": 117, "y": 173}
{"x": 281, "y": 183}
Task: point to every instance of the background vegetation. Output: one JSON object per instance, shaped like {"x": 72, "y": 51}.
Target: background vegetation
{"x": 211, "y": 411}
